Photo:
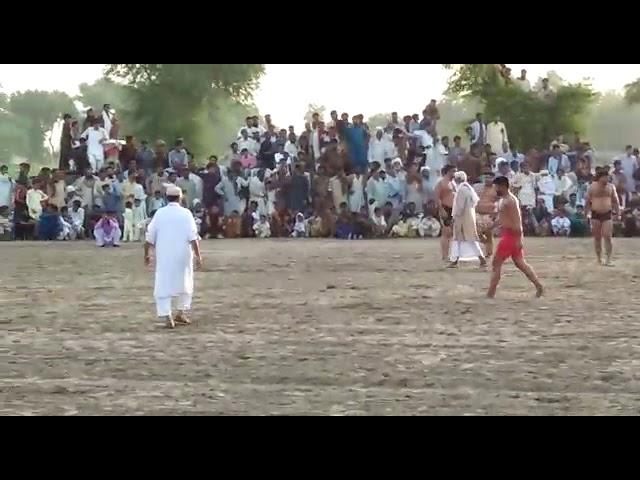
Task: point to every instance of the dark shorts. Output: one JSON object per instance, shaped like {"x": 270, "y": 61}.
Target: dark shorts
{"x": 447, "y": 219}
{"x": 601, "y": 217}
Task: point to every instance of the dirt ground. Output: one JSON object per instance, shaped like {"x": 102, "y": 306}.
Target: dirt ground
{"x": 320, "y": 327}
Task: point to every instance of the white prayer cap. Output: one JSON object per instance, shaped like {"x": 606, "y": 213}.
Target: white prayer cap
{"x": 460, "y": 176}
{"x": 71, "y": 189}
{"x": 500, "y": 160}
{"x": 396, "y": 160}
{"x": 544, "y": 172}
{"x": 173, "y": 191}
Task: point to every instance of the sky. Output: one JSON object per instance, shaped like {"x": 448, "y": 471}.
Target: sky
{"x": 286, "y": 90}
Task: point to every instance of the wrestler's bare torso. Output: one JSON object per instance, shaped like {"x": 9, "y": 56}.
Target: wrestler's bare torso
{"x": 509, "y": 213}
{"x": 444, "y": 192}
{"x": 487, "y": 200}
{"x": 602, "y": 199}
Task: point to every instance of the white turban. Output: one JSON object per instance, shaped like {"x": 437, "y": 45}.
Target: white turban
{"x": 461, "y": 176}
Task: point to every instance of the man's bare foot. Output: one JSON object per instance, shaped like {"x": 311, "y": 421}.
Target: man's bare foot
{"x": 599, "y": 261}
{"x": 182, "y": 319}
{"x": 452, "y": 265}
{"x": 608, "y": 263}
{"x": 539, "y": 291}
{"x": 491, "y": 294}
{"x": 170, "y": 324}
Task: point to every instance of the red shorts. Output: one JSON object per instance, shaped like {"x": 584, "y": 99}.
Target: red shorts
{"x": 509, "y": 245}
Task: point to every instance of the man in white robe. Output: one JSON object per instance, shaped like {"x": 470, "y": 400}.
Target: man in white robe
{"x": 107, "y": 117}
{"x": 465, "y": 244}
{"x": 7, "y": 187}
{"x": 497, "y": 137}
{"x": 96, "y": 137}
{"x": 174, "y": 236}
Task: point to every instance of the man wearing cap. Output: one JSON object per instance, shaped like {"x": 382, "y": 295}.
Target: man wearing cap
{"x": 174, "y": 236}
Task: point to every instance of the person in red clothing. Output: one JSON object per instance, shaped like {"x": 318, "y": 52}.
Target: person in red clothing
{"x": 510, "y": 245}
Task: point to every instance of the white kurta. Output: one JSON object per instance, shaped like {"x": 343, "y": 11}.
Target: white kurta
{"x": 496, "y": 136}
{"x": 95, "y": 149}
{"x": 171, "y": 231}
{"x": 463, "y": 245}
{"x": 6, "y": 190}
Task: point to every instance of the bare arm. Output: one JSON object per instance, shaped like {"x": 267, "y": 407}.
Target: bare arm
{"x": 147, "y": 253}
{"x": 615, "y": 200}
{"x": 587, "y": 203}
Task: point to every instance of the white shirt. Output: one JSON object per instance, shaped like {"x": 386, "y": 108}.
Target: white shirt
{"x": 291, "y": 149}
{"x": 561, "y": 225}
{"x": 379, "y": 150}
{"x": 94, "y": 140}
{"x": 171, "y": 231}
{"x": 250, "y": 144}
{"x": 475, "y": 132}
{"x": 6, "y": 190}
{"x": 497, "y": 136}
{"x": 525, "y": 85}
{"x": 554, "y": 164}
{"x": 197, "y": 181}
{"x": 629, "y": 166}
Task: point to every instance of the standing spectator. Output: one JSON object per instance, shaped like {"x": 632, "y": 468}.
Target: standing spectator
{"x": 525, "y": 185}
{"x": 620, "y": 182}
{"x": 145, "y": 158}
{"x": 629, "y": 166}
{"x": 380, "y": 148}
{"x": 478, "y": 131}
{"x": 557, "y": 160}
{"x": 513, "y": 155}
{"x": 232, "y": 155}
{"x": 523, "y": 82}
{"x": 7, "y": 187}
{"x": 497, "y": 137}
{"x": 547, "y": 188}
{"x": 35, "y": 199}
{"x": 298, "y": 190}
{"x": 471, "y": 164}
{"x": 128, "y": 153}
{"x": 197, "y": 180}
{"x": 161, "y": 155}
{"x": 66, "y": 142}
{"x": 247, "y": 143}
{"x": 107, "y": 117}
{"x": 187, "y": 186}
{"x": 178, "y": 157}
{"x": 96, "y": 137}
{"x": 456, "y": 152}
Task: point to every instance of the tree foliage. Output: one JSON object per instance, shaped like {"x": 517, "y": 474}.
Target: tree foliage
{"x": 632, "y": 92}
{"x": 530, "y": 120}
{"x": 185, "y": 100}
{"x": 38, "y": 112}
{"x": 378, "y": 120}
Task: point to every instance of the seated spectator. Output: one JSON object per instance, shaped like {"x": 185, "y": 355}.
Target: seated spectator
{"x": 300, "y": 227}
{"x": 77, "y": 220}
{"x": 344, "y": 227}
{"x": 579, "y": 223}
{"x": 262, "y": 228}
{"x": 379, "y": 223}
{"x": 65, "y": 220}
{"x": 24, "y": 225}
{"x": 107, "y": 230}
{"x": 560, "y": 224}
{"x": 49, "y": 225}
{"x": 429, "y": 226}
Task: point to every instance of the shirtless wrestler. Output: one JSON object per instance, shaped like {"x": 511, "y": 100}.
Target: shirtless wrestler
{"x": 601, "y": 204}
{"x": 510, "y": 244}
{"x": 486, "y": 211}
{"x": 444, "y": 193}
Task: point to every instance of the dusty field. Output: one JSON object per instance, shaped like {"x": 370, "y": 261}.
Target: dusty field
{"x": 320, "y": 327}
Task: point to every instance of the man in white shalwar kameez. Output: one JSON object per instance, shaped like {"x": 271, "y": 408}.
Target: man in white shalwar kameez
{"x": 174, "y": 236}
{"x": 465, "y": 244}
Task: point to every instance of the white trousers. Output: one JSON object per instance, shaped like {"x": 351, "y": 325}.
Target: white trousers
{"x": 163, "y": 304}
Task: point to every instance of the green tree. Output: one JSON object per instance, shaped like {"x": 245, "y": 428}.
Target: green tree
{"x": 378, "y": 120}
{"x": 632, "y": 92}
{"x": 184, "y": 100}
{"x": 530, "y": 121}
{"x": 14, "y": 137}
{"x": 40, "y": 110}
